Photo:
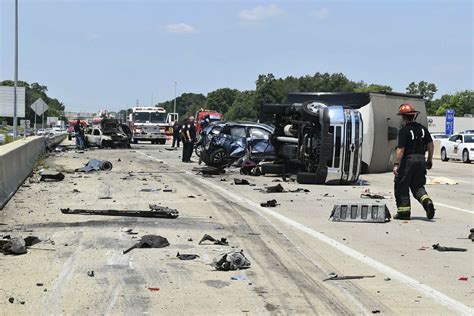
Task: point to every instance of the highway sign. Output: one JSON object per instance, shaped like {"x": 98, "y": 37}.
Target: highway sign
{"x": 7, "y": 99}
{"x": 449, "y": 122}
{"x": 39, "y": 106}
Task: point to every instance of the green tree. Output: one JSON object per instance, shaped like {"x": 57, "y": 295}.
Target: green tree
{"x": 462, "y": 103}
{"x": 244, "y": 107}
{"x": 425, "y": 89}
{"x": 363, "y": 87}
{"x": 221, "y": 100}
{"x": 186, "y": 104}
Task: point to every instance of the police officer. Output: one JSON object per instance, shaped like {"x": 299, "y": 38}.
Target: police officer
{"x": 176, "y": 134}
{"x": 188, "y": 131}
{"x": 410, "y": 165}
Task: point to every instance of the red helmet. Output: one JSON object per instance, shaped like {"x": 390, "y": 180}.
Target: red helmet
{"x": 407, "y": 109}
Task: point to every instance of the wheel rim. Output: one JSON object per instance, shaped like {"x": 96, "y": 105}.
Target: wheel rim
{"x": 443, "y": 154}
{"x": 464, "y": 156}
{"x": 219, "y": 156}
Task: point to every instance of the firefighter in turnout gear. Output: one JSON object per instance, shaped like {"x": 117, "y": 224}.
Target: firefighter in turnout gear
{"x": 410, "y": 165}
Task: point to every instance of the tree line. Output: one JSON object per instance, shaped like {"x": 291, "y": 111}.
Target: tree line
{"x": 34, "y": 91}
{"x": 244, "y": 105}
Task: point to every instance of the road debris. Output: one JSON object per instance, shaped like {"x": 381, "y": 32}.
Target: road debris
{"x": 239, "y": 277}
{"x": 377, "y": 196}
{"x": 153, "y": 289}
{"x": 336, "y": 277}
{"x": 274, "y": 189}
{"x": 463, "y": 278}
{"x": 182, "y": 256}
{"x": 150, "y": 190}
{"x": 155, "y": 211}
{"x": 149, "y": 241}
{"x": 223, "y": 241}
{"x": 96, "y": 165}
{"x": 51, "y": 176}
{"x": 91, "y": 273}
{"x": 299, "y": 190}
{"x": 17, "y": 245}
{"x": 129, "y": 231}
{"x": 471, "y": 235}
{"x": 208, "y": 170}
{"x": 442, "y": 248}
{"x": 241, "y": 182}
{"x": 270, "y": 203}
{"x": 369, "y": 213}
{"x": 234, "y": 260}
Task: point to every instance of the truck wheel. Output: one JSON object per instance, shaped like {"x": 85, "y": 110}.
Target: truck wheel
{"x": 163, "y": 141}
{"x": 309, "y": 178}
{"x": 273, "y": 168}
{"x": 311, "y": 110}
{"x": 465, "y": 156}
{"x": 197, "y": 151}
{"x": 105, "y": 165}
{"x": 218, "y": 157}
{"x": 444, "y": 157}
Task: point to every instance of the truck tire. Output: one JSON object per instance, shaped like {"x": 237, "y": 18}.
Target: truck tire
{"x": 444, "y": 156}
{"x": 218, "y": 158}
{"x": 163, "y": 141}
{"x": 273, "y": 168}
{"x": 310, "y": 110}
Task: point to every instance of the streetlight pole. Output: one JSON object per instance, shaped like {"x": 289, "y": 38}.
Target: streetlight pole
{"x": 174, "y": 108}
{"x": 15, "y": 98}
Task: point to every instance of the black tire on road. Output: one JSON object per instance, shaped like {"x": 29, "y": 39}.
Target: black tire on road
{"x": 465, "y": 156}
{"x": 106, "y": 165}
{"x": 444, "y": 157}
{"x": 273, "y": 168}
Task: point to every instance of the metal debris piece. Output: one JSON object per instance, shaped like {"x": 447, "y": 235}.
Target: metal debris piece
{"x": 96, "y": 165}
{"x": 155, "y": 211}
{"x": 51, "y": 176}
{"x": 208, "y": 170}
{"x": 234, "y": 260}
{"x": 149, "y": 241}
{"x": 223, "y": 241}
{"x": 275, "y": 189}
{"x": 370, "y": 213}
{"x": 241, "y": 182}
{"x": 348, "y": 277}
{"x": 299, "y": 190}
{"x": 91, "y": 274}
{"x": 442, "y": 248}
{"x": 183, "y": 256}
{"x": 270, "y": 203}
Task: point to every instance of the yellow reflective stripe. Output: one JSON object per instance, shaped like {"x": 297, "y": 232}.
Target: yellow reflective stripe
{"x": 424, "y": 197}
{"x": 403, "y": 209}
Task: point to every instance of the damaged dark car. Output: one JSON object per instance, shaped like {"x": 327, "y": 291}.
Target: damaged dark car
{"x": 223, "y": 144}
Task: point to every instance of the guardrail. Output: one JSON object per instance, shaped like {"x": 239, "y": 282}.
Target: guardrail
{"x": 17, "y": 160}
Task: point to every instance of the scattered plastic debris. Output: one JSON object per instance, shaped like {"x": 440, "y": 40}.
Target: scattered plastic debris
{"x": 241, "y": 182}
{"x": 91, "y": 273}
{"x": 223, "y": 241}
{"x": 463, "y": 278}
{"x": 149, "y": 241}
{"x": 234, "y": 260}
{"x": 51, "y": 176}
{"x": 348, "y": 277}
{"x": 239, "y": 277}
{"x": 270, "y": 203}
{"x": 183, "y": 256}
{"x": 440, "y": 180}
{"x": 96, "y": 165}
{"x": 442, "y": 248}
{"x": 153, "y": 289}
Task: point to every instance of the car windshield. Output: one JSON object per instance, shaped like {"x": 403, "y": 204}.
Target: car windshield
{"x": 151, "y": 117}
{"x": 469, "y": 138}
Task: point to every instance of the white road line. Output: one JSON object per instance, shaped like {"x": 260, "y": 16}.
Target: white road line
{"x": 428, "y": 291}
{"x": 454, "y": 208}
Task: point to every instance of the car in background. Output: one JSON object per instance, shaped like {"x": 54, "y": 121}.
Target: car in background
{"x": 41, "y": 131}
{"x": 460, "y": 147}
{"x": 467, "y": 131}
{"x": 224, "y": 143}
{"x": 439, "y": 136}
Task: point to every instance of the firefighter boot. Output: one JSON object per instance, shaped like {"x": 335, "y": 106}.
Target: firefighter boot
{"x": 405, "y": 215}
{"x": 429, "y": 207}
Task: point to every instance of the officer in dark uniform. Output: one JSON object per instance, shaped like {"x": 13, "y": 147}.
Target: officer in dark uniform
{"x": 410, "y": 165}
{"x": 176, "y": 134}
{"x": 188, "y": 131}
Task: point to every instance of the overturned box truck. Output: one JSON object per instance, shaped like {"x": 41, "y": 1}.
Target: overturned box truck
{"x": 330, "y": 138}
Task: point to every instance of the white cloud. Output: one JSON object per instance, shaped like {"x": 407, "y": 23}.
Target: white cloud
{"x": 181, "y": 28}
{"x": 320, "y": 13}
{"x": 260, "y": 13}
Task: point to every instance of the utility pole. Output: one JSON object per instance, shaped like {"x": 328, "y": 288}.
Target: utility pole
{"x": 174, "y": 108}
{"x": 15, "y": 98}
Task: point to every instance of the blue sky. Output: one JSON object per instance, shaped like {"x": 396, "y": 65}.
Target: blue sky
{"x": 107, "y": 54}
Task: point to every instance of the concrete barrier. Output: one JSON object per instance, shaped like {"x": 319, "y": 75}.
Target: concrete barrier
{"x": 437, "y": 149}
{"x": 16, "y": 163}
